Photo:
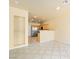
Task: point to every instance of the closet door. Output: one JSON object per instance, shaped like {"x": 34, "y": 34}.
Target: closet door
{"x": 19, "y": 30}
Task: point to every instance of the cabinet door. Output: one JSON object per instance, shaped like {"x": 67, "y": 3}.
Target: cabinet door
{"x": 19, "y": 30}
{"x": 45, "y": 26}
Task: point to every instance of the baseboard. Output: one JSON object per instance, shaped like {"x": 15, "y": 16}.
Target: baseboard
{"x": 18, "y": 47}
{"x": 46, "y": 41}
{"x": 66, "y": 43}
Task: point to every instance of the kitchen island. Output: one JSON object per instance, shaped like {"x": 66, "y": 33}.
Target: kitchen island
{"x": 46, "y": 35}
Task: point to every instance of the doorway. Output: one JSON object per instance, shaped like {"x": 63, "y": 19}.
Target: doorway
{"x": 34, "y": 34}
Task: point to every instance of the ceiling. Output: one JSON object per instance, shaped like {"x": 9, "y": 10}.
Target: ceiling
{"x": 46, "y": 8}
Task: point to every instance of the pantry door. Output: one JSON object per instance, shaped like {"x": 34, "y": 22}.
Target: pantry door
{"x": 18, "y": 27}
{"x": 19, "y": 30}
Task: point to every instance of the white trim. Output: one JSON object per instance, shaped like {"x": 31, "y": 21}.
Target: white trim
{"x": 18, "y": 47}
{"x": 46, "y": 41}
{"x": 18, "y": 12}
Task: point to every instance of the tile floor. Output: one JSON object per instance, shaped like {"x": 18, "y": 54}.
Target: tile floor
{"x": 48, "y": 50}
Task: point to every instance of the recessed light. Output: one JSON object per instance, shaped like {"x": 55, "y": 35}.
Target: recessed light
{"x": 35, "y": 16}
{"x": 32, "y": 19}
{"x": 66, "y": 1}
{"x": 57, "y": 8}
{"x": 16, "y": 1}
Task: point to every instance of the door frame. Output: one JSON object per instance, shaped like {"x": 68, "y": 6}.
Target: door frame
{"x": 22, "y": 13}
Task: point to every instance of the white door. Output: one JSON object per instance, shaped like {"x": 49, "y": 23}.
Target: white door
{"x": 18, "y": 27}
{"x": 19, "y": 30}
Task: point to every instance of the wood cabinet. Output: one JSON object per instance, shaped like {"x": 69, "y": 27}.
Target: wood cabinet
{"x": 44, "y": 26}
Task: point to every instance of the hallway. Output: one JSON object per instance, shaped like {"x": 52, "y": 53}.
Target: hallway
{"x": 47, "y": 50}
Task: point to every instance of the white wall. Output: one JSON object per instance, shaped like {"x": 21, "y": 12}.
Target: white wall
{"x": 62, "y": 30}
{"x": 61, "y": 25}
